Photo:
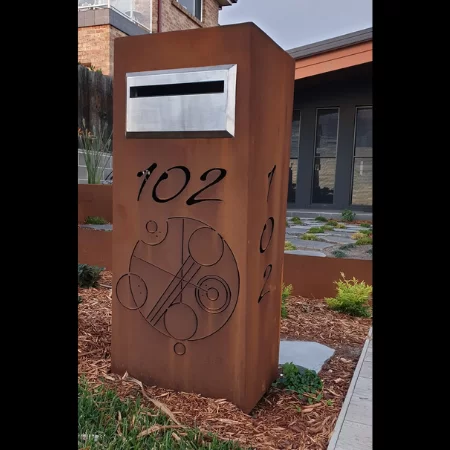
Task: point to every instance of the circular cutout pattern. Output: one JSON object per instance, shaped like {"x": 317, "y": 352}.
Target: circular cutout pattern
{"x": 152, "y": 226}
{"x": 131, "y": 291}
{"x": 179, "y": 349}
{"x": 206, "y": 246}
{"x": 213, "y": 294}
{"x": 180, "y": 321}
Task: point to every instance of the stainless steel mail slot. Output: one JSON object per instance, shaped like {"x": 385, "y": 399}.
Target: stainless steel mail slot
{"x": 182, "y": 103}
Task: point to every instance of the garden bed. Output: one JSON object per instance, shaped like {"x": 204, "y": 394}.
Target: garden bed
{"x": 280, "y": 420}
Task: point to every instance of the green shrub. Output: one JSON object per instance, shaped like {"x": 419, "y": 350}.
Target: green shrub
{"x": 332, "y": 223}
{"x": 289, "y": 246}
{"x": 315, "y": 230}
{"x": 366, "y": 232}
{"x": 366, "y": 240}
{"x": 327, "y": 227}
{"x": 338, "y": 254}
{"x": 309, "y": 237}
{"x": 306, "y": 383}
{"x": 352, "y": 297}
{"x": 365, "y": 225}
{"x": 347, "y": 247}
{"x": 88, "y": 275}
{"x": 321, "y": 219}
{"x": 94, "y": 220}
{"x": 340, "y": 226}
{"x": 348, "y": 216}
{"x": 297, "y": 221}
{"x": 286, "y": 292}
{"x": 357, "y": 235}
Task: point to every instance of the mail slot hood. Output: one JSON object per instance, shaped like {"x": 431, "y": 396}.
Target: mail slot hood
{"x": 182, "y": 103}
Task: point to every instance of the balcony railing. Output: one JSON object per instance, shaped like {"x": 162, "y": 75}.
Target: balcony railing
{"x": 137, "y": 11}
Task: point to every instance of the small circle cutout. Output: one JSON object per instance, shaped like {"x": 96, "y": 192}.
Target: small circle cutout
{"x": 179, "y": 349}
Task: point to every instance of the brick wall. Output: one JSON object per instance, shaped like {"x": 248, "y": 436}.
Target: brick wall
{"x": 95, "y": 46}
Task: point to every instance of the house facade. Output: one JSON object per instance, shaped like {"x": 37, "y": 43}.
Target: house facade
{"x": 331, "y": 146}
{"x": 100, "y": 22}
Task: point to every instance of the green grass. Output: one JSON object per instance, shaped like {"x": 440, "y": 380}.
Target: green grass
{"x": 106, "y": 422}
{"x": 297, "y": 221}
{"x": 366, "y": 240}
{"x": 365, "y": 225}
{"x": 366, "y": 232}
{"x": 331, "y": 222}
{"x": 321, "y": 219}
{"x": 327, "y": 227}
{"x": 339, "y": 254}
{"x": 286, "y": 292}
{"x": 340, "y": 226}
{"x": 289, "y": 246}
{"x": 315, "y": 230}
{"x": 94, "y": 220}
{"x": 309, "y": 237}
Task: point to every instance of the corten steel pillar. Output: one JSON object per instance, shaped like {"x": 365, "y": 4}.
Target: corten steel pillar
{"x": 202, "y": 128}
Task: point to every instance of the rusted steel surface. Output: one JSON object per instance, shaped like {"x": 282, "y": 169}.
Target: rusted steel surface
{"x": 95, "y": 248}
{"x": 95, "y": 200}
{"x": 199, "y": 239}
{"x": 314, "y": 277}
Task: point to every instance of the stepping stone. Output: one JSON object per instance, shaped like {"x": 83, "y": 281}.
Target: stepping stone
{"x": 292, "y": 231}
{"x": 310, "y": 355}
{"x": 314, "y": 245}
{"x": 107, "y": 227}
{"x": 305, "y": 253}
{"x": 338, "y": 239}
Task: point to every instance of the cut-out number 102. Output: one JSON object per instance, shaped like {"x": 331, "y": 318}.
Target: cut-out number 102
{"x": 193, "y": 199}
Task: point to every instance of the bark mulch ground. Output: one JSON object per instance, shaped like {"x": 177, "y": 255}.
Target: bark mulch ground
{"x": 280, "y": 420}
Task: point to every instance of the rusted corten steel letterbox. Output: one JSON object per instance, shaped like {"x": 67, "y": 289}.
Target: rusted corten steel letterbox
{"x": 202, "y": 127}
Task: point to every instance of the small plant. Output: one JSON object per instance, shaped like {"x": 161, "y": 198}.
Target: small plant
{"x": 289, "y": 246}
{"x": 339, "y": 254}
{"x": 321, "y": 219}
{"x": 315, "y": 230}
{"x": 367, "y": 232}
{"x": 88, "y": 275}
{"x": 348, "y": 216}
{"x": 327, "y": 227}
{"x": 306, "y": 383}
{"x": 347, "y": 247}
{"x": 332, "y": 223}
{"x": 297, "y": 221}
{"x": 357, "y": 235}
{"x": 365, "y": 225}
{"x": 96, "y": 148}
{"x": 366, "y": 240}
{"x": 329, "y": 402}
{"x": 286, "y": 292}
{"x": 309, "y": 237}
{"x": 340, "y": 226}
{"x": 95, "y": 220}
{"x": 369, "y": 251}
{"x": 80, "y": 299}
{"x": 352, "y": 297}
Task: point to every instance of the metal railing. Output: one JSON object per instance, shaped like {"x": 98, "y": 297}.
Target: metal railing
{"x": 137, "y": 11}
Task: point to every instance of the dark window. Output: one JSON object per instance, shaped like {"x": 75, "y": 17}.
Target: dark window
{"x": 362, "y": 158}
{"x": 293, "y": 161}
{"x": 325, "y": 155}
{"x": 193, "y": 6}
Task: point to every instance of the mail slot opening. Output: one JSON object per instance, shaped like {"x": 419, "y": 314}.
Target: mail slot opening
{"x": 166, "y": 90}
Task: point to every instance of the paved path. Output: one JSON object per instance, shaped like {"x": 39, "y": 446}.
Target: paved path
{"x": 353, "y": 429}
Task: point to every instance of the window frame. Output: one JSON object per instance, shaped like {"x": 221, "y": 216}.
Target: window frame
{"x": 193, "y": 14}
{"x": 355, "y": 123}
{"x": 325, "y": 157}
